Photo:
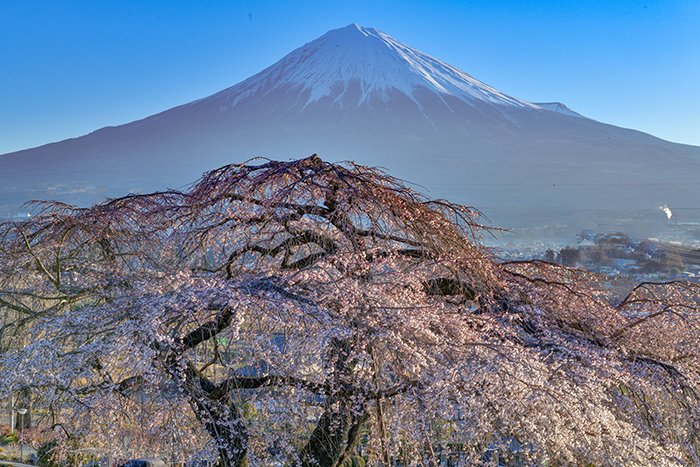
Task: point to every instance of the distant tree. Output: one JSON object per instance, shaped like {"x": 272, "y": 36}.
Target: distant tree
{"x": 569, "y": 256}
{"x": 303, "y": 312}
{"x": 672, "y": 262}
{"x": 550, "y": 256}
{"x": 597, "y": 255}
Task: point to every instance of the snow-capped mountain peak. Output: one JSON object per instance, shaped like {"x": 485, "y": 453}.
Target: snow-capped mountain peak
{"x": 366, "y": 57}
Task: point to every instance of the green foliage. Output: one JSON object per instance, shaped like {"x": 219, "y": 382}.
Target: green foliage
{"x": 9, "y": 438}
{"x": 45, "y": 454}
{"x": 624, "y": 389}
{"x": 250, "y": 411}
{"x": 354, "y": 461}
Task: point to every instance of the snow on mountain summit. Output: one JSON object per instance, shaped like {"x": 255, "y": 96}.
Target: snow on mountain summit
{"x": 354, "y": 55}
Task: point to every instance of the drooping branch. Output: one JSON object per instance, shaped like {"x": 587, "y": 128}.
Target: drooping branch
{"x": 257, "y": 382}
{"x": 209, "y": 329}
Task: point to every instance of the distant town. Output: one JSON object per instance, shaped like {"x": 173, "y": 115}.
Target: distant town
{"x": 618, "y": 255}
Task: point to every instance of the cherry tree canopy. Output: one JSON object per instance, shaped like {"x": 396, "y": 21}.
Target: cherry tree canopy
{"x": 306, "y": 312}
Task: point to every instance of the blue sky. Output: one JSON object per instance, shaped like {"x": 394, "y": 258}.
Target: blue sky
{"x": 68, "y": 67}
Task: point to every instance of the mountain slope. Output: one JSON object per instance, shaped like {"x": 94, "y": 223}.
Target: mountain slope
{"x": 356, "y": 93}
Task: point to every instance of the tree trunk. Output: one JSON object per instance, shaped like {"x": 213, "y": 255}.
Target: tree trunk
{"x": 335, "y": 437}
{"x": 338, "y": 430}
{"x": 218, "y": 413}
{"x": 222, "y": 421}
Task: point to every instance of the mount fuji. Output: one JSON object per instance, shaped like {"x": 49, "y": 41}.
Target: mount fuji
{"x": 356, "y": 93}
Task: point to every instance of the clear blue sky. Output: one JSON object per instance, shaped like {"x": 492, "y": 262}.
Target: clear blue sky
{"x": 68, "y": 67}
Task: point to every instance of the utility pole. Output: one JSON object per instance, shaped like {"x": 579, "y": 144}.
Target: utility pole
{"x": 21, "y": 411}
{"x": 12, "y": 413}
